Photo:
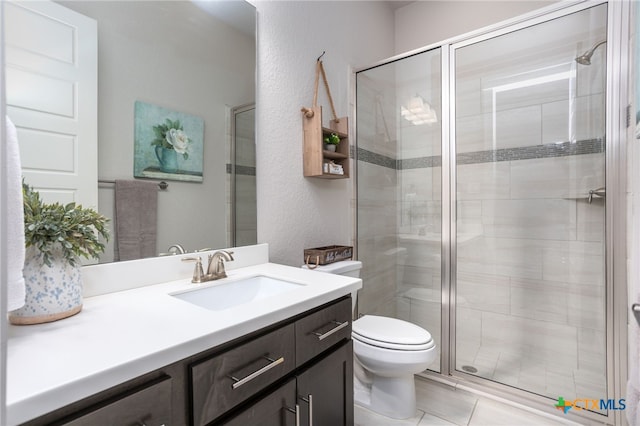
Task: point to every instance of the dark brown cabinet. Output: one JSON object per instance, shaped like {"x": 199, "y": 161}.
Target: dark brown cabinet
{"x": 325, "y": 389}
{"x": 296, "y": 372}
{"x": 321, "y": 394}
{"x": 149, "y": 406}
{"x": 278, "y": 408}
{"x": 226, "y": 380}
{"x": 319, "y": 331}
{"x": 323, "y": 373}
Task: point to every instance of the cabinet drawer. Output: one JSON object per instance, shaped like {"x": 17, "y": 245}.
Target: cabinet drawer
{"x": 222, "y": 382}
{"x": 150, "y": 406}
{"x": 321, "y": 330}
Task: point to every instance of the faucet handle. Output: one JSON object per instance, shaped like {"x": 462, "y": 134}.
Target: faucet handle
{"x": 198, "y": 273}
{"x": 216, "y": 267}
{"x": 216, "y": 263}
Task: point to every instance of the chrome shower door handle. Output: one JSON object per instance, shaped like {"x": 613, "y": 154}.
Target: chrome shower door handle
{"x": 600, "y": 192}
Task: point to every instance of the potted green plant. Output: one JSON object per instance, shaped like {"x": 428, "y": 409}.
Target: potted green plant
{"x": 56, "y": 237}
{"x": 331, "y": 142}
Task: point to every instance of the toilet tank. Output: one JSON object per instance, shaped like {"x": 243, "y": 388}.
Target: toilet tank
{"x": 348, "y": 268}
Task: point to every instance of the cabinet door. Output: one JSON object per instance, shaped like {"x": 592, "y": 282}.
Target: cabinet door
{"x": 276, "y": 409}
{"x": 325, "y": 390}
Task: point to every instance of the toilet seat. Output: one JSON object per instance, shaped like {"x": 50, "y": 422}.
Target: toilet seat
{"x": 391, "y": 333}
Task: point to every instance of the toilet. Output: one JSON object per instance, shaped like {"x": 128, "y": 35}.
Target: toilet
{"x": 387, "y": 354}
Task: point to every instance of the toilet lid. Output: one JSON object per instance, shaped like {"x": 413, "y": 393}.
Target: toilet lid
{"x": 391, "y": 333}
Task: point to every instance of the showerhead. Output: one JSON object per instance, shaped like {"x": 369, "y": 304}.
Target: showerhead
{"x": 585, "y": 58}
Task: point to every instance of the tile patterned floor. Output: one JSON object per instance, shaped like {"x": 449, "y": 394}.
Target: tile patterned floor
{"x": 443, "y": 405}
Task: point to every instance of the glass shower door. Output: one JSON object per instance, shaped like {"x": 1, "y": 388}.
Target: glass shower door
{"x": 243, "y": 176}
{"x": 529, "y": 265}
{"x": 399, "y": 127}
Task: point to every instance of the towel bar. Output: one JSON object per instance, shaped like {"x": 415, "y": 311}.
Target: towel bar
{"x": 162, "y": 184}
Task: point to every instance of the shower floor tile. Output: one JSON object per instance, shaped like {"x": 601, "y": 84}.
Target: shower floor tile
{"x": 536, "y": 375}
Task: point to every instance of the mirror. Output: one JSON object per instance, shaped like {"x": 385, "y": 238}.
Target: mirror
{"x": 194, "y": 57}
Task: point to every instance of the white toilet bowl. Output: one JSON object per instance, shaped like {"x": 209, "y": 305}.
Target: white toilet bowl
{"x": 389, "y": 352}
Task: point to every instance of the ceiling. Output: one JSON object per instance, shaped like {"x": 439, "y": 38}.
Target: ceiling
{"x": 397, "y": 4}
{"x": 237, "y": 13}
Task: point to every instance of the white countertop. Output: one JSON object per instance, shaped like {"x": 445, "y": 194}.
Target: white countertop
{"x": 119, "y": 336}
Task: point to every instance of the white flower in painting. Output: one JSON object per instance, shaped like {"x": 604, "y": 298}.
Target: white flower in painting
{"x": 179, "y": 140}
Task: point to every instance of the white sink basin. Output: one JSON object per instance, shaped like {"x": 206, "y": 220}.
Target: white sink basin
{"x": 224, "y": 296}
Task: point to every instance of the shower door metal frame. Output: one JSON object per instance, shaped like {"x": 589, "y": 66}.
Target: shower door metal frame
{"x": 232, "y": 156}
{"x": 617, "y": 98}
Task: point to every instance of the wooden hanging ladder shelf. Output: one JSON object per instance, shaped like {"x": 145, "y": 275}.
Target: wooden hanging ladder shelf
{"x": 318, "y": 162}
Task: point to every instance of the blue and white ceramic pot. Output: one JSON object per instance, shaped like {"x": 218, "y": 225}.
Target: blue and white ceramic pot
{"x": 52, "y": 292}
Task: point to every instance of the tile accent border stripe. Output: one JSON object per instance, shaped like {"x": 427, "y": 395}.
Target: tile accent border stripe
{"x": 563, "y": 149}
{"x": 242, "y": 170}
{"x": 377, "y": 159}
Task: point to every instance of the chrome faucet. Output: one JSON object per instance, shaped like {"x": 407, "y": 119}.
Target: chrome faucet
{"x": 176, "y": 249}
{"x": 215, "y": 268}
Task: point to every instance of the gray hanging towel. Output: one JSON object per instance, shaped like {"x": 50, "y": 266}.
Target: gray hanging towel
{"x": 136, "y": 219}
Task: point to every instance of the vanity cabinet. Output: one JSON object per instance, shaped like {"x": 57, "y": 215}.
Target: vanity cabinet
{"x": 321, "y": 391}
{"x": 321, "y": 394}
{"x": 286, "y": 374}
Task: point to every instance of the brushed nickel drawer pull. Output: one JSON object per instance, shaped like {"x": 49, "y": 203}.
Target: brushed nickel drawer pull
{"x": 296, "y": 412}
{"x": 272, "y": 363}
{"x": 322, "y": 336}
{"x": 309, "y": 401}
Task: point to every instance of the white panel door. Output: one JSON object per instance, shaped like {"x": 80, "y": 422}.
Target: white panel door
{"x": 52, "y": 84}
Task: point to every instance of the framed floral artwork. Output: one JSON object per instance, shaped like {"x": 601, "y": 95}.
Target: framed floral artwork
{"x": 167, "y": 144}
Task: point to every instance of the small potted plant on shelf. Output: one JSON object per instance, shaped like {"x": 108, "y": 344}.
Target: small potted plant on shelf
{"x": 331, "y": 142}
{"x": 56, "y": 236}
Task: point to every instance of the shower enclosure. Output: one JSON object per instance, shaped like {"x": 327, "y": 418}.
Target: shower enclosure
{"x": 482, "y": 204}
{"x": 242, "y": 174}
